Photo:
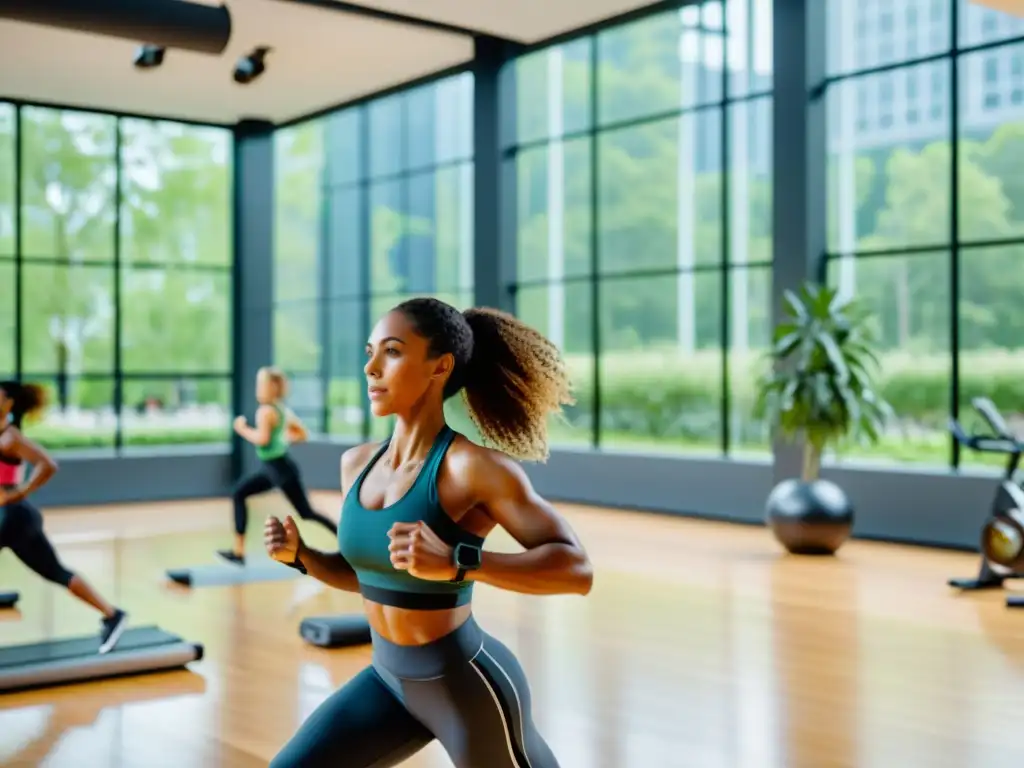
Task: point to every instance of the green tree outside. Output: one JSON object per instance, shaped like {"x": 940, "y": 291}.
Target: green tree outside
{"x": 175, "y": 255}
{"x": 658, "y": 396}
{"x": 656, "y": 392}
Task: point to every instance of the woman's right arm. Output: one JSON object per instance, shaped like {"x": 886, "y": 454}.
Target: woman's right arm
{"x": 285, "y": 545}
{"x": 332, "y": 568}
{"x": 329, "y": 567}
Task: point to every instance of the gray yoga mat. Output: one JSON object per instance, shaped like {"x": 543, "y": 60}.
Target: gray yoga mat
{"x": 226, "y": 574}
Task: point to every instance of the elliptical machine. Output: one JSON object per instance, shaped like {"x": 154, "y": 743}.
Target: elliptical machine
{"x": 1002, "y": 537}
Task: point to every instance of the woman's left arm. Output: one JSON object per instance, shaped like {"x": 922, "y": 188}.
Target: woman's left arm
{"x": 554, "y": 561}
{"x": 297, "y": 432}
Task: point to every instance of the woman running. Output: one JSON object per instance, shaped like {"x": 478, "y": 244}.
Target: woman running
{"x": 21, "y": 524}
{"x": 276, "y": 427}
{"x": 416, "y": 512}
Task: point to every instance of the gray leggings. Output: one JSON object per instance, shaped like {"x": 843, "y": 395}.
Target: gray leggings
{"x": 466, "y": 690}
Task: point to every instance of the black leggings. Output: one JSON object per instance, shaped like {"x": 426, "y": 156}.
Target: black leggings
{"x": 22, "y": 531}
{"x": 466, "y": 690}
{"x": 281, "y": 473}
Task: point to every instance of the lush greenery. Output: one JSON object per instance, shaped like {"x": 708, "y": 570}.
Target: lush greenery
{"x": 657, "y": 385}
{"x": 660, "y": 388}
{"x": 661, "y": 335}
{"x": 411, "y": 233}
{"x": 819, "y": 385}
{"x": 662, "y": 401}
{"x": 175, "y": 254}
{"x": 643, "y": 396}
{"x": 86, "y": 439}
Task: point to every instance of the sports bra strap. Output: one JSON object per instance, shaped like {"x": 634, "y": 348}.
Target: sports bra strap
{"x": 431, "y": 465}
{"x": 358, "y": 484}
{"x": 434, "y": 460}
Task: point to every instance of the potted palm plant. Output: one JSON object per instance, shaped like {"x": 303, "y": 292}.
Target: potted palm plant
{"x": 820, "y": 389}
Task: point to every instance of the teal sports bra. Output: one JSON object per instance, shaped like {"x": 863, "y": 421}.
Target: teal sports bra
{"x": 363, "y": 538}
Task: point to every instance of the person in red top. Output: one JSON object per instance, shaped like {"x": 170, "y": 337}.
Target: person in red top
{"x": 21, "y": 524}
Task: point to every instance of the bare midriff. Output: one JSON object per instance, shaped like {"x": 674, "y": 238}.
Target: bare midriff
{"x": 404, "y": 626}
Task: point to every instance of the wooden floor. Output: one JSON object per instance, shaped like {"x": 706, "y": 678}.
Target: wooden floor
{"x": 700, "y": 645}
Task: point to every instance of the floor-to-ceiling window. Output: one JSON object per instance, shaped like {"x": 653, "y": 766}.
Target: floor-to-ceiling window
{"x": 374, "y": 205}
{"x": 925, "y": 111}
{"x": 8, "y": 239}
{"x": 642, "y": 158}
{"x": 299, "y": 157}
{"x": 115, "y": 256}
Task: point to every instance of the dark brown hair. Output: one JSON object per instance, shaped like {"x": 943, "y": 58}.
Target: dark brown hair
{"x": 511, "y": 376}
{"x": 29, "y": 399}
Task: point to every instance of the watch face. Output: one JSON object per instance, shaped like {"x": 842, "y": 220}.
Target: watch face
{"x": 467, "y": 556}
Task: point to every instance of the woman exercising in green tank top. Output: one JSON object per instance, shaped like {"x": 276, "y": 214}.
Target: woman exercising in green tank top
{"x": 415, "y": 514}
{"x": 276, "y": 427}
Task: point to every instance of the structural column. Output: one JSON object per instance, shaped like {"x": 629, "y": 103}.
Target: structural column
{"x": 252, "y": 309}
{"x": 494, "y": 199}
{"x": 799, "y": 161}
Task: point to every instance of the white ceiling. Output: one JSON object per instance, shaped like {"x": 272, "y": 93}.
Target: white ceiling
{"x": 320, "y": 57}
{"x": 526, "y": 21}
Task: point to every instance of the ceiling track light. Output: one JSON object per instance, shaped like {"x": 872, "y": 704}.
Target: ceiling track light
{"x": 252, "y": 66}
{"x": 149, "y": 56}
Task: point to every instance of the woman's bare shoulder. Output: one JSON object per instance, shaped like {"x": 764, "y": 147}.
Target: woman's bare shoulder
{"x": 355, "y": 459}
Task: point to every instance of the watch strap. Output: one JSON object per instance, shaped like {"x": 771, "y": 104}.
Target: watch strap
{"x": 462, "y": 567}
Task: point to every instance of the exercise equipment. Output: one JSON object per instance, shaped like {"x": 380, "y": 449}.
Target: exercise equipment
{"x": 9, "y": 599}
{"x": 335, "y": 631}
{"x": 220, "y": 575}
{"x": 1002, "y": 537}
{"x": 809, "y": 518}
{"x": 56, "y": 662}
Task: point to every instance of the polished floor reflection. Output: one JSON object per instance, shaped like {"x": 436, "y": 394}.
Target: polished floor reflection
{"x": 700, "y": 646}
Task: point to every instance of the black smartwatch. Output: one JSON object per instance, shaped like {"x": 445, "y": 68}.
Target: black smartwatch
{"x": 466, "y": 557}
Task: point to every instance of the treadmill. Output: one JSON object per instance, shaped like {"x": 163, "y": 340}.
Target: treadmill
{"x": 58, "y": 662}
